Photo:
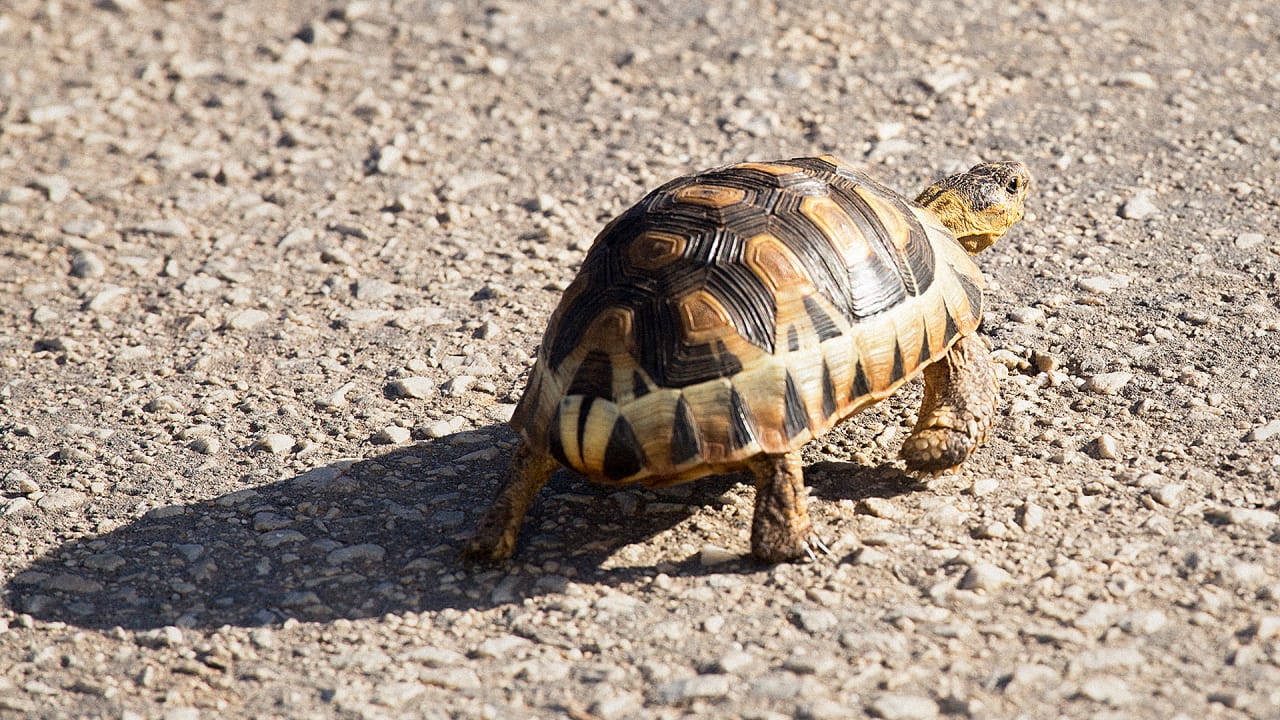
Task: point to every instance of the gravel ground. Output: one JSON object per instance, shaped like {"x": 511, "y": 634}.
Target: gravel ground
{"x": 272, "y": 273}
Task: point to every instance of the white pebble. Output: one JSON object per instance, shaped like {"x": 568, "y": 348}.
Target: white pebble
{"x": 1167, "y": 495}
{"x": 411, "y": 387}
{"x": 247, "y": 319}
{"x": 896, "y": 706}
{"x": 985, "y": 576}
{"x": 1107, "y": 383}
{"x": 1027, "y": 316}
{"x": 392, "y": 434}
{"x": 1139, "y": 207}
{"x": 1108, "y": 446}
{"x": 274, "y": 443}
{"x": 714, "y": 555}
{"x": 1264, "y": 432}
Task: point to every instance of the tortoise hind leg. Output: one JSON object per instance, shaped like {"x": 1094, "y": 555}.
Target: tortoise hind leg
{"x": 495, "y": 536}
{"x": 780, "y": 527}
{"x": 960, "y": 396}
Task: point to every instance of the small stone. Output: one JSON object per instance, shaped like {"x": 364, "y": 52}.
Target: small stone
{"x": 111, "y": 298}
{"x": 17, "y": 506}
{"x": 1266, "y": 627}
{"x": 1140, "y": 206}
{"x": 714, "y": 555}
{"x": 104, "y": 562}
{"x": 366, "y": 317}
{"x": 388, "y": 159}
{"x": 274, "y": 443}
{"x": 20, "y": 481}
{"x": 696, "y": 687}
{"x": 944, "y": 79}
{"x": 375, "y": 290}
{"x": 984, "y": 486}
{"x": 993, "y": 531}
{"x": 392, "y": 434}
{"x": 1031, "y": 677}
{"x": 246, "y": 319}
{"x": 870, "y": 556}
{"x": 1107, "y": 689}
{"x": 362, "y": 553}
{"x": 452, "y": 678}
{"x": 1027, "y": 316}
{"x": 1031, "y": 516}
{"x": 163, "y": 404}
{"x": 458, "y": 385}
{"x": 197, "y": 284}
{"x": 336, "y": 255}
{"x": 87, "y": 265}
{"x": 813, "y": 619}
{"x": 1144, "y": 622}
{"x": 207, "y": 445}
{"x": 411, "y": 387}
{"x": 397, "y": 694}
{"x": 1264, "y": 432}
{"x": 738, "y": 662}
{"x": 337, "y": 399}
{"x": 899, "y": 706}
{"x": 62, "y": 499}
{"x": 1168, "y": 494}
{"x": 460, "y": 187}
{"x": 69, "y": 583}
{"x": 1133, "y": 79}
{"x": 1108, "y": 446}
{"x": 165, "y": 228}
{"x": 1107, "y": 383}
{"x": 614, "y": 704}
{"x": 879, "y": 507}
{"x": 1246, "y": 241}
{"x": 713, "y": 624}
{"x": 500, "y": 647}
{"x": 1104, "y": 284}
{"x": 55, "y": 187}
{"x": 1249, "y": 517}
{"x": 985, "y": 576}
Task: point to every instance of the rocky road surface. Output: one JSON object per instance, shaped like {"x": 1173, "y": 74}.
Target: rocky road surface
{"x": 272, "y": 273}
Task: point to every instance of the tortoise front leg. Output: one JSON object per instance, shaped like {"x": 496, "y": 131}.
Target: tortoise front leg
{"x": 495, "y": 536}
{"x": 780, "y": 528}
{"x": 960, "y": 396}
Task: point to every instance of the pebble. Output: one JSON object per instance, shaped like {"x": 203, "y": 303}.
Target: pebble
{"x": 206, "y": 445}
{"x": 500, "y": 647}
{"x": 62, "y": 499}
{"x": 901, "y": 706}
{"x": 776, "y": 685}
{"x": 879, "y": 507}
{"x": 714, "y": 555}
{"x": 1247, "y": 517}
{"x": 1133, "y": 79}
{"x": 274, "y": 443}
{"x": 943, "y": 79}
{"x": 397, "y": 694}
{"x": 197, "y": 284}
{"x": 1139, "y": 207}
{"x": 458, "y": 385}
{"x": 993, "y": 531}
{"x": 460, "y": 187}
{"x": 87, "y": 265}
{"x": 411, "y": 387}
{"x": 388, "y": 159}
{"x": 55, "y": 187}
{"x": 362, "y": 553}
{"x": 985, "y": 576}
{"x": 451, "y": 678}
{"x": 20, "y": 481}
{"x": 111, "y": 298}
{"x": 1107, "y": 689}
{"x": 1104, "y": 284}
{"x": 1144, "y": 622}
{"x": 738, "y": 662}
{"x": 1107, "y": 383}
{"x": 1264, "y": 432}
{"x": 336, "y": 399}
{"x": 696, "y": 687}
{"x": 392, "y": 434}
{"x": 1108, "y": 446}
{"x": 813, "y": 619}
{"x": 615, "y": 704}
{"x": 870, "y": 556}
{"x": 1028, "y": 316}
{"x": 165, "y": 228}
{"x": 246, "y": 319}
{"x": 1167, "y": 494}
{"x": 1246, "y": 241}
{"x": 18, "y": 196}
{"x": 984, "y": 486}
{"x": 1266, "y": 627}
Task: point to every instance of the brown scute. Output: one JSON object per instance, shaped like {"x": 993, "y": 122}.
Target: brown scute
{"x": 742, "y": 311}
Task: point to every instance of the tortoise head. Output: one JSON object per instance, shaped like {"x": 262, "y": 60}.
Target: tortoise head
{"x": 980, "y": 204}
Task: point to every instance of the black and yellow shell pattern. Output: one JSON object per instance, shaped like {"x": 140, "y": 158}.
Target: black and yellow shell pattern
{"x": 741, "y": 311}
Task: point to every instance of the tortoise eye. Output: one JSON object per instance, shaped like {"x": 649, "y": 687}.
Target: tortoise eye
{"x": 1014, "y": 185}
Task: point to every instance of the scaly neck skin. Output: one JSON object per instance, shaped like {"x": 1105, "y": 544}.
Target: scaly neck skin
{"x": 957, "y": 217}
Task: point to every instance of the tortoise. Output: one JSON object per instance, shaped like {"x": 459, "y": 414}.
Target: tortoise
{"x": 733, "y": 315}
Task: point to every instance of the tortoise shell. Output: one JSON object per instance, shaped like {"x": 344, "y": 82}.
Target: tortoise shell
{"x": 742, "y": 311}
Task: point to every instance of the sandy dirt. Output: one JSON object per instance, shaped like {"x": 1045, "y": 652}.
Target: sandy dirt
{"x": 273, "y": 274}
